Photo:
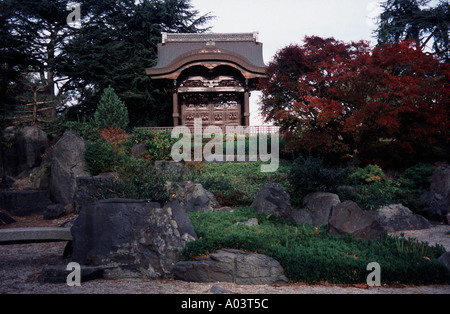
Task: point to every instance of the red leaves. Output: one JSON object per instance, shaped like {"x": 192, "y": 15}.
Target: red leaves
{"x": 354, "y": 96}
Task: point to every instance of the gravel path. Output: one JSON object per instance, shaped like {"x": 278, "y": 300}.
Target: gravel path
{"x": 21, "y": 265}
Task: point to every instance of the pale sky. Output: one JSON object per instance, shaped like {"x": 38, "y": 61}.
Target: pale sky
{"x": 282, "y": 22}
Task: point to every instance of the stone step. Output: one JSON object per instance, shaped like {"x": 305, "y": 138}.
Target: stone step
{"x": 34, "y": 235}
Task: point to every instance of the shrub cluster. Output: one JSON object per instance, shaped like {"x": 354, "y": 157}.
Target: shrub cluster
{"x": 235, "y": 184}
{"x": 311, "y": 174}
{"x": 370, "y": 187}
{"x": 159, "y": 144}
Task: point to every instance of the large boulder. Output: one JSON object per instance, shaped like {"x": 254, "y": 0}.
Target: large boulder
{"x": 301, "y": 216}
{"x": 349, "y": 218}
{"x": 10, "y": 157}
{"x": 22, "y": 149}
{"x": 229, "y": 265}
{"x": 273, "y": 199}
{"x": 31, "y": 144}
{"x": 131, "y": 238}
{"x": 68, "y": 163}
{"x": 397, "y": 217}
{"x": 54, "y": 211}
{"x": 437, "y": 200}
{"x": 91, "y": 188}
{"x": 192, "y": 196}
{"x": 319, "y": 205}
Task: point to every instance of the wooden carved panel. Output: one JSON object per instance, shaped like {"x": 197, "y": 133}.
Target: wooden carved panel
{"x": 213, "y": 109}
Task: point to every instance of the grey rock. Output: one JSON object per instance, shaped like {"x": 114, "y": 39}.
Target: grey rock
{"x": 445, "y": 258}
{"x": 31, "y": 143}
{"x": 10, "y": 156}
{"x": 396, "y": 217}
{"x": 130, "y": 238}
{"x": 349, "y": 218}
{"x": 234, "y": 266}
{"x": 192, "y": 196}
{"x": 68, "y": 163}
{"x": 273, "y": 199}
{"x": 22, "y": 149}
{"x": 437, "y": 200}
{"x": 302, "y": 216}
{"x": 219, "y": 290}
{"x": 138, "y": 150}
{"x": 179, "y": 215}
{"x": 319, "y": 205}
{"x": 54, "y": 211}
{"x": 88, "y": 187}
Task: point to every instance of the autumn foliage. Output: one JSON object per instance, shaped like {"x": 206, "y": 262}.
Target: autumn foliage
{"x": 360, "y": 103}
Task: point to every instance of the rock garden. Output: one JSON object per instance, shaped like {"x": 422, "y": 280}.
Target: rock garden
{"x": 139, "y": 215}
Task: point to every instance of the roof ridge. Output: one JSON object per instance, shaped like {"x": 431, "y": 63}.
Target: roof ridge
{"x": 206, "y": 37}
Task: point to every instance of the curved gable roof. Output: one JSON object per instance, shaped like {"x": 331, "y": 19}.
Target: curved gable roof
{"x": 179, "y": 51}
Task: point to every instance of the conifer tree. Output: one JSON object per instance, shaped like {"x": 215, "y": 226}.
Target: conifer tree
{"x": 111, "y": 111}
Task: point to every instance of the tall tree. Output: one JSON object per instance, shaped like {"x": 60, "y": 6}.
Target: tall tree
{"x": 117, "y": 40}
{"x": 116, "y": 43}
{"x": 389, "y": 103}
{"x": 40, "y": 29}
{"x": 417, "y": 20}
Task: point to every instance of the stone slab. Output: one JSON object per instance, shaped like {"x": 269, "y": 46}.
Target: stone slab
{"x": 34, "y": 235}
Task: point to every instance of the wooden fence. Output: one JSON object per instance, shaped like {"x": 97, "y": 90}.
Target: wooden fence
{"x": 250, "y": 130}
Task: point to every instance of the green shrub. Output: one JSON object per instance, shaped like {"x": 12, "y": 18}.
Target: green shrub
{"x": 136, "y": 179}
{"x": 416, "y": 177}
{"x": 111, "y": 111}
{"x": 159, "y": 144}
{"x": 235, "y": 184}
{"x": 372, "y": 188}
{"x": 371, "y": 196}
{"x": 310, "y": 174}
{"x": 139, "y": 179}
{"x": 368, "y": 175}
{"x": 101, "y": 157}
{"x": 84, "y": 129}
{"x": 310, "y": 254}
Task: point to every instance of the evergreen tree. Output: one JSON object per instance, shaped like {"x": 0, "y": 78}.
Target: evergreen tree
{"x": 111, "y": 111}
{"x": 416, "y": 20}
{"x": 114, "y": 46}
{"x": 116, "y": 42}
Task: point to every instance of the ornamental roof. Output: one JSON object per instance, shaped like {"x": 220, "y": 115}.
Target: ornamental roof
{"x": 180, "y": 51}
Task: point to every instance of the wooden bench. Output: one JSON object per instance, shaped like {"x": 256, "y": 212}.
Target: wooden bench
{"x": 34, "y": 235}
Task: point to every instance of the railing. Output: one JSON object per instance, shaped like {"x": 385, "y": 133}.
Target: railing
{"x": 250, "y": 130}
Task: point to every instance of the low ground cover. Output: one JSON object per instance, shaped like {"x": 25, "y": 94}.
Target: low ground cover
{"x": 310, "y": 254}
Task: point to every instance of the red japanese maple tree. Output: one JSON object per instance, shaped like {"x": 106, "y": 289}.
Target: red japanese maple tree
{"x": 354, "y": 101}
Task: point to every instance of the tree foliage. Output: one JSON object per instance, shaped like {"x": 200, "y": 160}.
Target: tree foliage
{"x": 416, "y": 20}
{"x": 111, "y": 111}
{"x": 347, "y": 100}
{"x": 117, "y": 40}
